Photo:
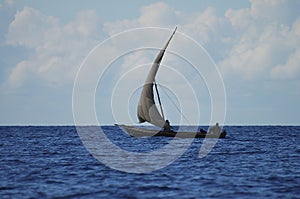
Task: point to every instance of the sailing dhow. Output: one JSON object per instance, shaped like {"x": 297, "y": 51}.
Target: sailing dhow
{"x": 147, "y": 110}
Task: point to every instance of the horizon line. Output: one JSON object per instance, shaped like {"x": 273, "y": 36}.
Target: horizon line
{"x": 273, "y": 124}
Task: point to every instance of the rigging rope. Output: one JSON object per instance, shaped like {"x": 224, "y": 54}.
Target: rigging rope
{"x": 162, "y": 88}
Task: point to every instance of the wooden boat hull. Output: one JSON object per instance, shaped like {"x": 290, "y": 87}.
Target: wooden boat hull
{"x": 141, "y": 132}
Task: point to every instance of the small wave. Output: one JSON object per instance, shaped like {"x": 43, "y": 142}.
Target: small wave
{"x": 238, "y": 152}
{"x": 158, "y": 187}
{"x": 5, "y": 188}
{"x": 75, "y": 195}
{"x": 297, "y": 150}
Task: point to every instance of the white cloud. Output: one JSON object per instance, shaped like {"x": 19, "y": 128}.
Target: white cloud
{"x": 154, "y": 15}
{"x": 264, "y": 40}
{"x": 203, "y": 26}
{"x": 58, "y": 49}
{"x": 290, "y": 69}
{"x": 158, "y": 14}
{"x": 31, "y": 28}
{"x": 239, "y": 19}
{"x": 18, "y": 74}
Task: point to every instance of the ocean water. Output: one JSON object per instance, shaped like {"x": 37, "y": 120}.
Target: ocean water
{"x": 52, "y": 162}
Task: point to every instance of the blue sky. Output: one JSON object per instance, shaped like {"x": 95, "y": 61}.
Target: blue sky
{"x": 254, "y": 44}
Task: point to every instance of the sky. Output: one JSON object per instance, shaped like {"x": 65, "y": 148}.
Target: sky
{"x": 241, "y": 58}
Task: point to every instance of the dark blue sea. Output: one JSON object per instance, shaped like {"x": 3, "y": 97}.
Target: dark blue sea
{"x": 52, "y": 162}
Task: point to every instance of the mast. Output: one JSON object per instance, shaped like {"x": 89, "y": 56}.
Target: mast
{"x": 160, "y": 105}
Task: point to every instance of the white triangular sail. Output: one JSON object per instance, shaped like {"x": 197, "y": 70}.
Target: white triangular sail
{"x": 147, "y": 110}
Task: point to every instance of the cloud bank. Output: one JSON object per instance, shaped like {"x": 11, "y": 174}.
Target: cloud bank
{"x": 249, "y": 43}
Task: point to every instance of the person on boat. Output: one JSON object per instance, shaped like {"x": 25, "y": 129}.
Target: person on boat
{"x": 167, "y": 127}
{"x": 202, "y": 131}
{"x": 215, "y": 129}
